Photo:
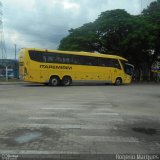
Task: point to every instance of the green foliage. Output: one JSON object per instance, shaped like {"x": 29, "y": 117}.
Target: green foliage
{"x": 152, "y": 13}
{"x": 112, "y": 28}
{"x": 80, "y": 39}
{"x": 117, "y": 32}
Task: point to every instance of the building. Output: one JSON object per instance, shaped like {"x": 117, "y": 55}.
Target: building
{"x": 11, "y": 66}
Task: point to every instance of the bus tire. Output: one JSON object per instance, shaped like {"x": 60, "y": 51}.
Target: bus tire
{"x": 118, "y": 81}
{"x": 54, "y": 81}
{"x": 66, "y": 81}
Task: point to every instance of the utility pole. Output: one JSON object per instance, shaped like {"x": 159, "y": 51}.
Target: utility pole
{"x": 6, "y": 73}
{"x": 2, "y": 41}
{"x": 15, "y": 46}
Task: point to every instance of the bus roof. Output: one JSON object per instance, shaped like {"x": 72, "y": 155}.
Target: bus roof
{"x": 79, "y": 53}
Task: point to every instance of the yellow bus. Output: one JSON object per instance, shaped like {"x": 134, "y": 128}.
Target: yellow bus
{"x": 56, "y": 67}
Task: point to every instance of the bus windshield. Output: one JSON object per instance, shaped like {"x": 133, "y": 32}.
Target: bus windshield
{"x": 128, "y": 68}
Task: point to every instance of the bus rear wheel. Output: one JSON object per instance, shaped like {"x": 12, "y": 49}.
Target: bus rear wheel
{"x": 66, "y": 81}
{"x": 118, "y": 81}
{"x": 54, "y": 81}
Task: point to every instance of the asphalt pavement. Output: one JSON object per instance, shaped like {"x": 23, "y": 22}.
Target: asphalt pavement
{"x": 80, "y": 121}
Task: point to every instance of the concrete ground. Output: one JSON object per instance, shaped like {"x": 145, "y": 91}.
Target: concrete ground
{"x": 79, "y": 121}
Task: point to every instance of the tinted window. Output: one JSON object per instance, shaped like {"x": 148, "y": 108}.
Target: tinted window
{"x": 36, "y": 56}
{"x": 56, "y": 58}
{"x": 91, "y": 61}
{"x": 49, "y": 57}
{"x": 107, "y": 62}
{"x": 66, "y": 58}
{"x": 116, "y": 64}
{"x": 77, "y": 60}
{"x": 85, "y": 60}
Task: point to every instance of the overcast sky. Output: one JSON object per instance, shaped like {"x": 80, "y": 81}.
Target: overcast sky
{"x": 43, "y": 23}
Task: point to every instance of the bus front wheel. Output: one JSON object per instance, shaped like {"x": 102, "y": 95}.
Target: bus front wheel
{"x": 54, "y": 81}
{"x": 66, "y": 81}
{"x": 118, "y": 81}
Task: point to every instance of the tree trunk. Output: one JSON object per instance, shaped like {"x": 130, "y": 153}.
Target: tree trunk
{"x": 140, "y": 75}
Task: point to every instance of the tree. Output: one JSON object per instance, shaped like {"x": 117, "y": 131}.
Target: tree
{"x": 152, "y": 12}
{"x": 104, "y": 35}
{"x": 152, "y": 15}
{"x": 80, "y": 39}
{"x": 112, "y": 27}
{"x": 136, "y": 38}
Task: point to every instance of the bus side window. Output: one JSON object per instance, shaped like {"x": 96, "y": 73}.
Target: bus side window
{"x": 101, "y": 62}
{"x": 50, "y": 59}
{"x": 59, "y": 58}
{"x": 94, "y": 61}
{"x": 104, "y": 62}
{"x": 108, "y": 62}
{"x": 86, "y": 60}
{"x": 36, "y": 56}
{"x": 67, "y": 59}
{"x": 76, "y": 59}
{"x": 116, "y": 64}
{"x": 44, "y": 58}
{"x": 91, "y": 61}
